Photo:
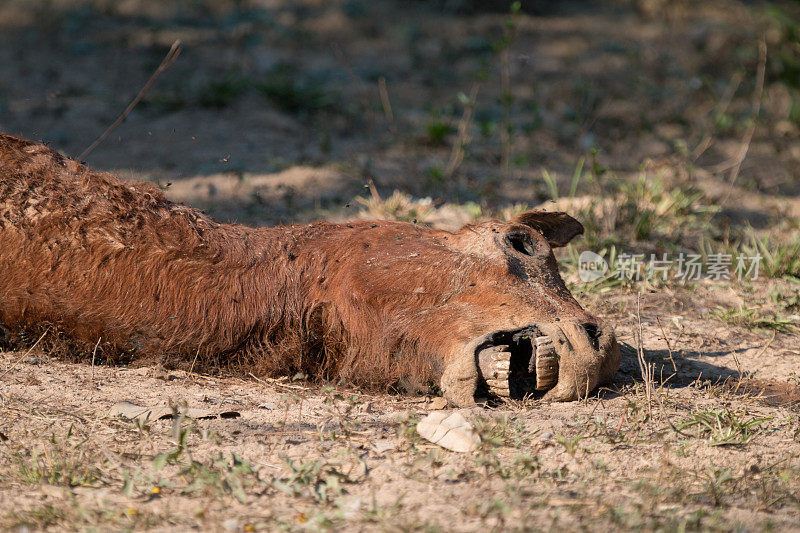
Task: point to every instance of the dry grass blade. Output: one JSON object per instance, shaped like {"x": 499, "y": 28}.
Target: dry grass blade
{"x": 644, "y": 367}
{"x": 94, "y": 354}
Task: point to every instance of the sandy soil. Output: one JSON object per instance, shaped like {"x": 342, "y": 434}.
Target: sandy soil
{"x": 336, "y": 458}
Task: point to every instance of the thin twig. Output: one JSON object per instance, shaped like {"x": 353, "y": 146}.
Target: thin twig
{"x": 94, "y": 353}
{"x": 720, "y": 108}
{"x": 644, "y": 366}
{"x": 669, "y": 347}
{"x": 738, "y": 371}
{"x": 505, "y": 129}
{"x": 26, "y": 354}
{"x": 766, "y": 346}
{"x": 462, "y": 139}
{"x": 385, "y": 102}
{"x": 169, "y": 59}
{"x": 748, "y": 136}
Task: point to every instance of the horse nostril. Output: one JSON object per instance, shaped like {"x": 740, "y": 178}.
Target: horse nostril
{"x": 594, "y": 334}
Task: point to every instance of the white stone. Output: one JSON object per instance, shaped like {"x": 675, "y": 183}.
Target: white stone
{"x": 449, "y": 430}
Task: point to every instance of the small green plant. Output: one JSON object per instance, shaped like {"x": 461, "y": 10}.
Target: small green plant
{"x": 435, "y": 175}
{"x": 340, "y": 420}
{"x": 754, "y": 319}
{"x": 587, "y": 100}
{"x": 407, "y": 431}
{"x": 552, "y": 185}
{"x": 716, "y": 480}
{"x": 570, "y": 444}
{"x": 41, "y": 517}
{"x": 504, "y": 430}
{"x": 503, "y": 48}
{"x": 436, "y": 131}
{"x": 648, "y": 206}
{"x": 789, "y": 300}
{"x": 62, "y": 462}
{"x": 318, "y": 480}
{"x": 495, "y": 465}
{"x": 721, "y": 428}
{"x": 784, "y": 60}
{"x": 779, "y": 258}
{"x": 222, "y": 475}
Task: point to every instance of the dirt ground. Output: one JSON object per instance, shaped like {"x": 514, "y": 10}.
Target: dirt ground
{"x": 661, "y": 125}
{"x": 706, "y": 451}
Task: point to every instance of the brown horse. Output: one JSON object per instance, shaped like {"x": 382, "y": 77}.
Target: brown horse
{"x": 379, "y": 304}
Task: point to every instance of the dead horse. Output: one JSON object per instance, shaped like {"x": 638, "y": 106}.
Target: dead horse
{"x": 481, "y": 311}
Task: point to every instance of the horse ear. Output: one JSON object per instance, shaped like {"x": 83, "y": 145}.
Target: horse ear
{"x": 557, "y": 228}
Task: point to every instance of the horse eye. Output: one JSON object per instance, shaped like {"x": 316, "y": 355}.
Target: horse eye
{"x": 521, "y": 243}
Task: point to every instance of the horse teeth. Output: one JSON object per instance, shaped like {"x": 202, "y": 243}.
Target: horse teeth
{"x": 498, "y": 387}
{"x": 495, "y": 371}
{"x": 546, "y": 371}
{"x": 544, "y": 363}
{"x": 495, "y": 364}
{"x": 544, "y": 345}
{"x": 544, "y": 339}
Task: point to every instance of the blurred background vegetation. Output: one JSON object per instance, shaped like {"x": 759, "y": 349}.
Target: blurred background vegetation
{"x": 664, "y": 125}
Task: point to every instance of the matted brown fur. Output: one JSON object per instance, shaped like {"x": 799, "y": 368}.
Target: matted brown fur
{"x": 371, "y": 303}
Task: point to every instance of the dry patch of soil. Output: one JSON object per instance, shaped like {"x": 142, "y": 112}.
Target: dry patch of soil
{"x": 701, "y": 449}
